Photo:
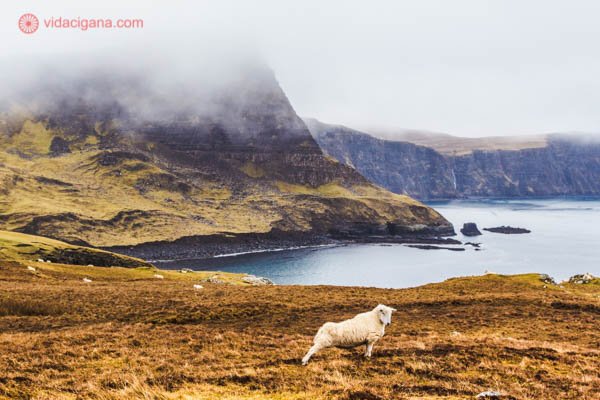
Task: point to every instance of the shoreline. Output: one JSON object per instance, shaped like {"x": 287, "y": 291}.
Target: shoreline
{"x": 231, "y": 245}
{"x": 226, "y": 255}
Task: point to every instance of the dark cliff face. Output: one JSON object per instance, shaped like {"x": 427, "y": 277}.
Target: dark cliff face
{"x": 398, "y": 166}
{"x": 565, "y": 166}
{"x": 111, "y": 160}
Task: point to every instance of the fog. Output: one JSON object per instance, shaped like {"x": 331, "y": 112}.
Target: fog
{"x": 469, "y": 68}
{"x": 192, "y": 80}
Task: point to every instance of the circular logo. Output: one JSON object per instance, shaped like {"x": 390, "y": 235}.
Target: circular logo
{"x": 28, "y": 23}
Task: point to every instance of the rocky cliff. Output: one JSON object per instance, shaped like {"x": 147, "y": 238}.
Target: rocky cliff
{"x": 564, "y": 165}
{"x": 109, "y": 159}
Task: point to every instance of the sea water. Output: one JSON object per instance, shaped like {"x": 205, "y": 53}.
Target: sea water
{"x": 565, "y": 240}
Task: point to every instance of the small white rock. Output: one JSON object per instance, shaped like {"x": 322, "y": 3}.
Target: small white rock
{"x": 87, "y": 280}
{"x": 198, "y": 287}
{"x": 49, "y": 262}
{"x": 489, "y": 394}
{"x": 40, "y": 260}
{"x": 30, "y": 269}
{"x": 159, "y": 276}
{"x": 90, "y": 265}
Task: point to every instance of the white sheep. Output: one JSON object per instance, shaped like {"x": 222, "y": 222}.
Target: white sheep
{"x": 159, "y": 276}
{"x": 30, "y": 268}
{"x": 198, "y": 287}
{"x": 366, "y": 328}
{"x": 87, "y": 280}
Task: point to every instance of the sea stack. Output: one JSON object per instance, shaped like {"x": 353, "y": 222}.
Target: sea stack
{"x": 470, "y": 229}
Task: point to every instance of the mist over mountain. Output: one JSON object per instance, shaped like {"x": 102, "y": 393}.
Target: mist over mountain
{"x": 107, "y": 156}
{"x": 205, "y": 90}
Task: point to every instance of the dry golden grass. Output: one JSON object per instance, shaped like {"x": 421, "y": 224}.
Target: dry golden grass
{"x": 33, "y": 139}
{"x": 134, "y": 337}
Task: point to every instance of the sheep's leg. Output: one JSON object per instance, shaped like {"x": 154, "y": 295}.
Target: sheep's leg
{"x": 369, "y": 349}
{"x": 316, "y": 347}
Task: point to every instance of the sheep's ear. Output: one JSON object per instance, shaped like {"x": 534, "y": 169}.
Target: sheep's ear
{"x": 393, "y": 309}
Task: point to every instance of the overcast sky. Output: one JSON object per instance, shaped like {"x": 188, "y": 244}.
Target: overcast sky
{"x": 470, "y": 68}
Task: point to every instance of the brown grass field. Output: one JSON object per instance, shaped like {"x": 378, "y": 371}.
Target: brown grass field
{"x": 129, "y": 336}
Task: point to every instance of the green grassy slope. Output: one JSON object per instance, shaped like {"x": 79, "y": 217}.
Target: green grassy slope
{"x": 107, "y": 190}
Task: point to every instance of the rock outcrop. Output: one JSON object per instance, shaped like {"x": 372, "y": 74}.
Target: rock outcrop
{"x": 470, "y": 229}
{"x": 582, "y": 279}
{"x": 257, "y": 280}
{"x": 507, "y": 230}
{"x": 547, "y": 279}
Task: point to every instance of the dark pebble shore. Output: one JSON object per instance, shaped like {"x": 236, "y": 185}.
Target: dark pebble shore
{"x": 203, "y": 247}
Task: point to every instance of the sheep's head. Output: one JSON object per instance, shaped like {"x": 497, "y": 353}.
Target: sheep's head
{"x": 384, "y": 313}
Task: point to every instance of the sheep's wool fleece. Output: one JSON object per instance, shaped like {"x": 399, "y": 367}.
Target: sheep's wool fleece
{"x": 363, "y": 328}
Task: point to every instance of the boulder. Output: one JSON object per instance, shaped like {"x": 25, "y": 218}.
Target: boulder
{"x": 257, "y": 280}
{"x": 507, "y": 230}
{"x": 215, "y": 279}
{"x": 470, "y": 229}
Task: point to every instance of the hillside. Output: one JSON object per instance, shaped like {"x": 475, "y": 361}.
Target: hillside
{"x": 105, "y": 159}
{"x": 26, "y": 257}
{"x": 35, "y": 249}
{"x": 127, "y": 335}
{"x": 564, "y": 165}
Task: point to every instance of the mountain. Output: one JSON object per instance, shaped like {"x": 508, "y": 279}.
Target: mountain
{"x": 112, "y": 158}
{"x": 501, "y": 167}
